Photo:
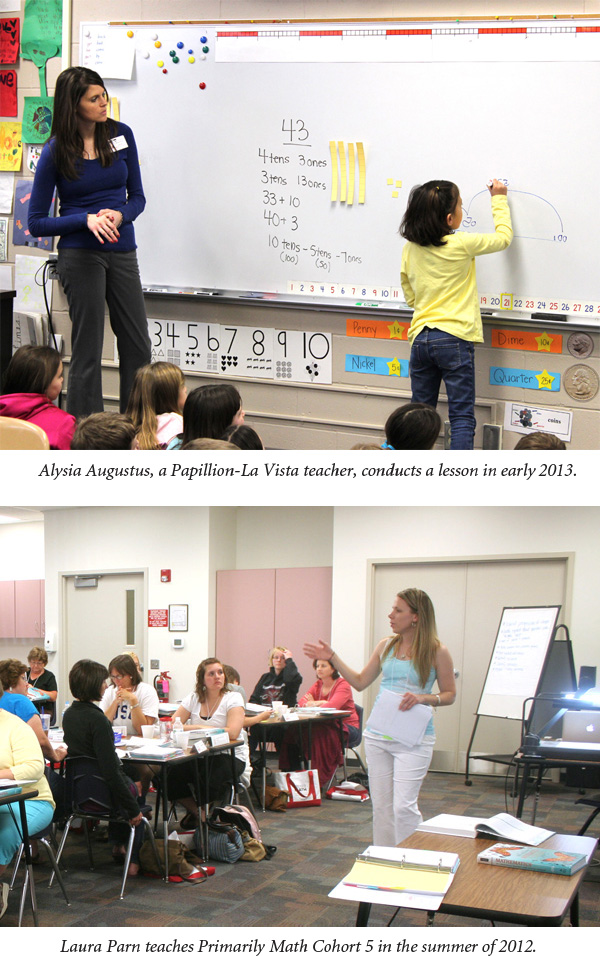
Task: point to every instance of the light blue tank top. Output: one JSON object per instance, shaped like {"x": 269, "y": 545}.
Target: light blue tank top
{"x": 400, "y": 677}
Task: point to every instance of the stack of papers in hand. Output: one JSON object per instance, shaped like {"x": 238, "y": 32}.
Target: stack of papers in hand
{"x": 501, "y": 825}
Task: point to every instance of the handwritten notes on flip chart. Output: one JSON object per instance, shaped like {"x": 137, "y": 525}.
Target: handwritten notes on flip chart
{"x": 522, "y": 642}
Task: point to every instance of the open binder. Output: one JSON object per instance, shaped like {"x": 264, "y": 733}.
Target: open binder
{"x": 398, "y": 876}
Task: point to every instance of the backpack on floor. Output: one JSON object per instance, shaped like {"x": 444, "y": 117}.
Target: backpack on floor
{"x": 239, "y": 816}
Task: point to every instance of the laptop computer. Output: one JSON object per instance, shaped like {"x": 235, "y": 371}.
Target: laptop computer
{"x": 581, "y": 726}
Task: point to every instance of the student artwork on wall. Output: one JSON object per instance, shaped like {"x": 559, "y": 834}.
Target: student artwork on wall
{"x": 21, "y": 234}
{"x": 9, "y": 39}
{"x": 11, "y": 146}
{"x": 8, "y": 92}
{"x": 42, "y": 30}
{"x": 37, "y": 118}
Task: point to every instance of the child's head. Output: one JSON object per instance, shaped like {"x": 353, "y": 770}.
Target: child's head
{"x": 244, "y": 437}
{"x": 413, "y": 426}
{"x": 34, "y": 368}
{"x": 106, "y": 431}
{"x": 434, "y": 210}
{"x": 540, "y": 441}
{"x": 157, "y": 388}
{"x": 209, "y": 410}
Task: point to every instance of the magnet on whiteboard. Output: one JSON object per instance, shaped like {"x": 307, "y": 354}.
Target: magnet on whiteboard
{"x": 145, "y": 54}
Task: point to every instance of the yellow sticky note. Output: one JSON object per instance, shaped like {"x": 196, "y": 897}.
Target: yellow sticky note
{"x": 350, "y": 200}
{"x": 394, "y": 195}
{"x": 114, "y": 108}
{"x": 399, "y": 184}
{"x": 344, "y": 177}
{"x": 360, "y": 149}
{"x": 390, "y": 182}
{"x": 334, "y": 170}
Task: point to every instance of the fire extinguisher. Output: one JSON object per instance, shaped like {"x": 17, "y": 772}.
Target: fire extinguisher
{"x": 161, "y": 685}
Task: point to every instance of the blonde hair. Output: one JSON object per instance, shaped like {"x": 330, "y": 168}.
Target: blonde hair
{"x": 426, "y": 642}
{"x": 273, "y": 651}
{"x": 155, "y": 391}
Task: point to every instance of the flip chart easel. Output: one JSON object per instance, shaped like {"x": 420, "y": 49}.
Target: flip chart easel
{"x": 526, "y": 661}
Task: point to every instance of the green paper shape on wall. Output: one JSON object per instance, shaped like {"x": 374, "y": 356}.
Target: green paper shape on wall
{"x": 37, "y": 118}
{"x": 41, "y": 34}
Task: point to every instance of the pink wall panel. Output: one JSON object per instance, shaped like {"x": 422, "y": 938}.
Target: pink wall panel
{"x": 302, "y": 613}
{"x": 245, "y": 622}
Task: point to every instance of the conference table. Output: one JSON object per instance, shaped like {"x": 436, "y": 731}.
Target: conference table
{"x": 302, "y": 718}
{"x": 502, "y": 893}
{"x": 161, "y": 764}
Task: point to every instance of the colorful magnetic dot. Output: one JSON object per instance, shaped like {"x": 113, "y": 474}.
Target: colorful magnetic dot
{"x": 130, "y": 33}
{"x": 180, "y": 45}
{"x": 161, "y": 63}
{"x": 205, "y": 49}
{"x": 191, "y": 59}
{"x": 190, "y": 51}
{"x": 165, "y": 70}
{"x": 145, "y": 54}
{"x": 157, "y": 44}
{"x": 203, "y": 57}
{"x": 171, "y": 52}
{"x": 175, "y": 59}
{"x": 202, "y": 86}
{"x": 155, "y": 36}
{"x": 203, "y": 39}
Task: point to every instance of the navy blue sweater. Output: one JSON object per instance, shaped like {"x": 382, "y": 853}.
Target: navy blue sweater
{"x": 118, "y": 187}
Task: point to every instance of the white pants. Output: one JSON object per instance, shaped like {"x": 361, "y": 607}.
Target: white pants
{"x": 395, "y": 777}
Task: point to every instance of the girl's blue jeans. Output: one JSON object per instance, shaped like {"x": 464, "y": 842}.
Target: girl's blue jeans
{"x": 437, "y": 356}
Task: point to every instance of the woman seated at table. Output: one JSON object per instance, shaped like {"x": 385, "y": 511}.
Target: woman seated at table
{"x": 329, "y": 690}
{"x": 210, "y": 706}
{"x": 129, "y": 702}
{"x": 20, "y": 759}
{"x": 41, "y": 679}
{"x": 16, "y": 701}
{"x": 280, "y": 683}
{"x": 89, "y": 733}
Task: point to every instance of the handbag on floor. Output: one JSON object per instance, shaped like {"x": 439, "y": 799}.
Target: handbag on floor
{"x": 183, "y": 862}
{"x": 276, "y": 799}
{"x": 302, "y": 785}
{"x": 225, "y": 842}
{"x": 238, "y": 815}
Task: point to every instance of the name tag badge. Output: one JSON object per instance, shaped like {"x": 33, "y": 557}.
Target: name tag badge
{"x": 119, "y": 142}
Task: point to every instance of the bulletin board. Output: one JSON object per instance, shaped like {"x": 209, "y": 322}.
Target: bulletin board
{"x": 277, "y": 159}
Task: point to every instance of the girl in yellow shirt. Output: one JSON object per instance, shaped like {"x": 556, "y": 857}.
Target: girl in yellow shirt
{"x": 438, "y": 280}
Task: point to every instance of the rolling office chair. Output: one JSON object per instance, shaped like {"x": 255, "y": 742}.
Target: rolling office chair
{"x": 88, "y": 797}
{"x": 589, "y": 802}
{"x": 18, "y": 435}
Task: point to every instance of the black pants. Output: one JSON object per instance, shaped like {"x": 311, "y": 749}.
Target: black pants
{"x": 90, "y": 279}
{"x": 181, "y": 779}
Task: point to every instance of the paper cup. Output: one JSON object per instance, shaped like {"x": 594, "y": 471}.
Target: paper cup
{"x": 182, "y": 739}
{"x": 148, "y": 730}
{"x": 277, "y": 706}
{"x": 118, "y": 736}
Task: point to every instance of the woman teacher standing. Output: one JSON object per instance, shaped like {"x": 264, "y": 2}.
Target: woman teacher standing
{"x": 92, "y": 162}
{"x": 411, "y": 662}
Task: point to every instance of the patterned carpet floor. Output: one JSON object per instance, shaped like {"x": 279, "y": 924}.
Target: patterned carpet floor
{"x": 315, "y": 849}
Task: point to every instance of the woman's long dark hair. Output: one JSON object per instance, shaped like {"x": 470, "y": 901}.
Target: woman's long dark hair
{"x": 426, "y": 218}
{"x": 67, "y": 146}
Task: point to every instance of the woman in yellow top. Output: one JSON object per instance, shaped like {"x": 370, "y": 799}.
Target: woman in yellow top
{"x": 20, "y": 759}
{"x": 438, "y": 280}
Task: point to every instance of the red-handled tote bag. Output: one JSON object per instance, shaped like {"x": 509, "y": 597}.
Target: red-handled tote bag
{"x": 303, "y": 787}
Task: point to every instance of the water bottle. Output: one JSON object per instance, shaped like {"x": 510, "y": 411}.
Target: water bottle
{"x": 177, "y": 726}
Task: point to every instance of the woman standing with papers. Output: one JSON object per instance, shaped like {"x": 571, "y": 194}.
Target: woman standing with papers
{"x": 411, "y": 662}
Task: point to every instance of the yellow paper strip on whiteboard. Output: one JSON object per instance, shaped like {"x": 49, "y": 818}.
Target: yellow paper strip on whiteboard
{"x": 350, "y": 174}
{"x": 360, "y": 149}
{"x": 114, "y": 108}
{"x": 344, "y": 174}
{"x": 334, "y": 170}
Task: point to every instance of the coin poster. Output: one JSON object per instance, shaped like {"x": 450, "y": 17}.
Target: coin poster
{"x": 528, "y": 418}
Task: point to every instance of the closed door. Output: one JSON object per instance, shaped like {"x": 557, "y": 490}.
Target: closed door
{"x": 101, "y": 622}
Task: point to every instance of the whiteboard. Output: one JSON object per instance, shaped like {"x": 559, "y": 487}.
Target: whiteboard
{"x": 517, "y": 661}
{"x": 288, "y": 174}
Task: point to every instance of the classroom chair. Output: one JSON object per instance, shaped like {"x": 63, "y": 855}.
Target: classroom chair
{"x": 88, "y": 798}
{"x": 589, "y": 802}
{"x": 354, "y": 750}
{"x": 17, "y": 435}
{"x": 44, "y": 837}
